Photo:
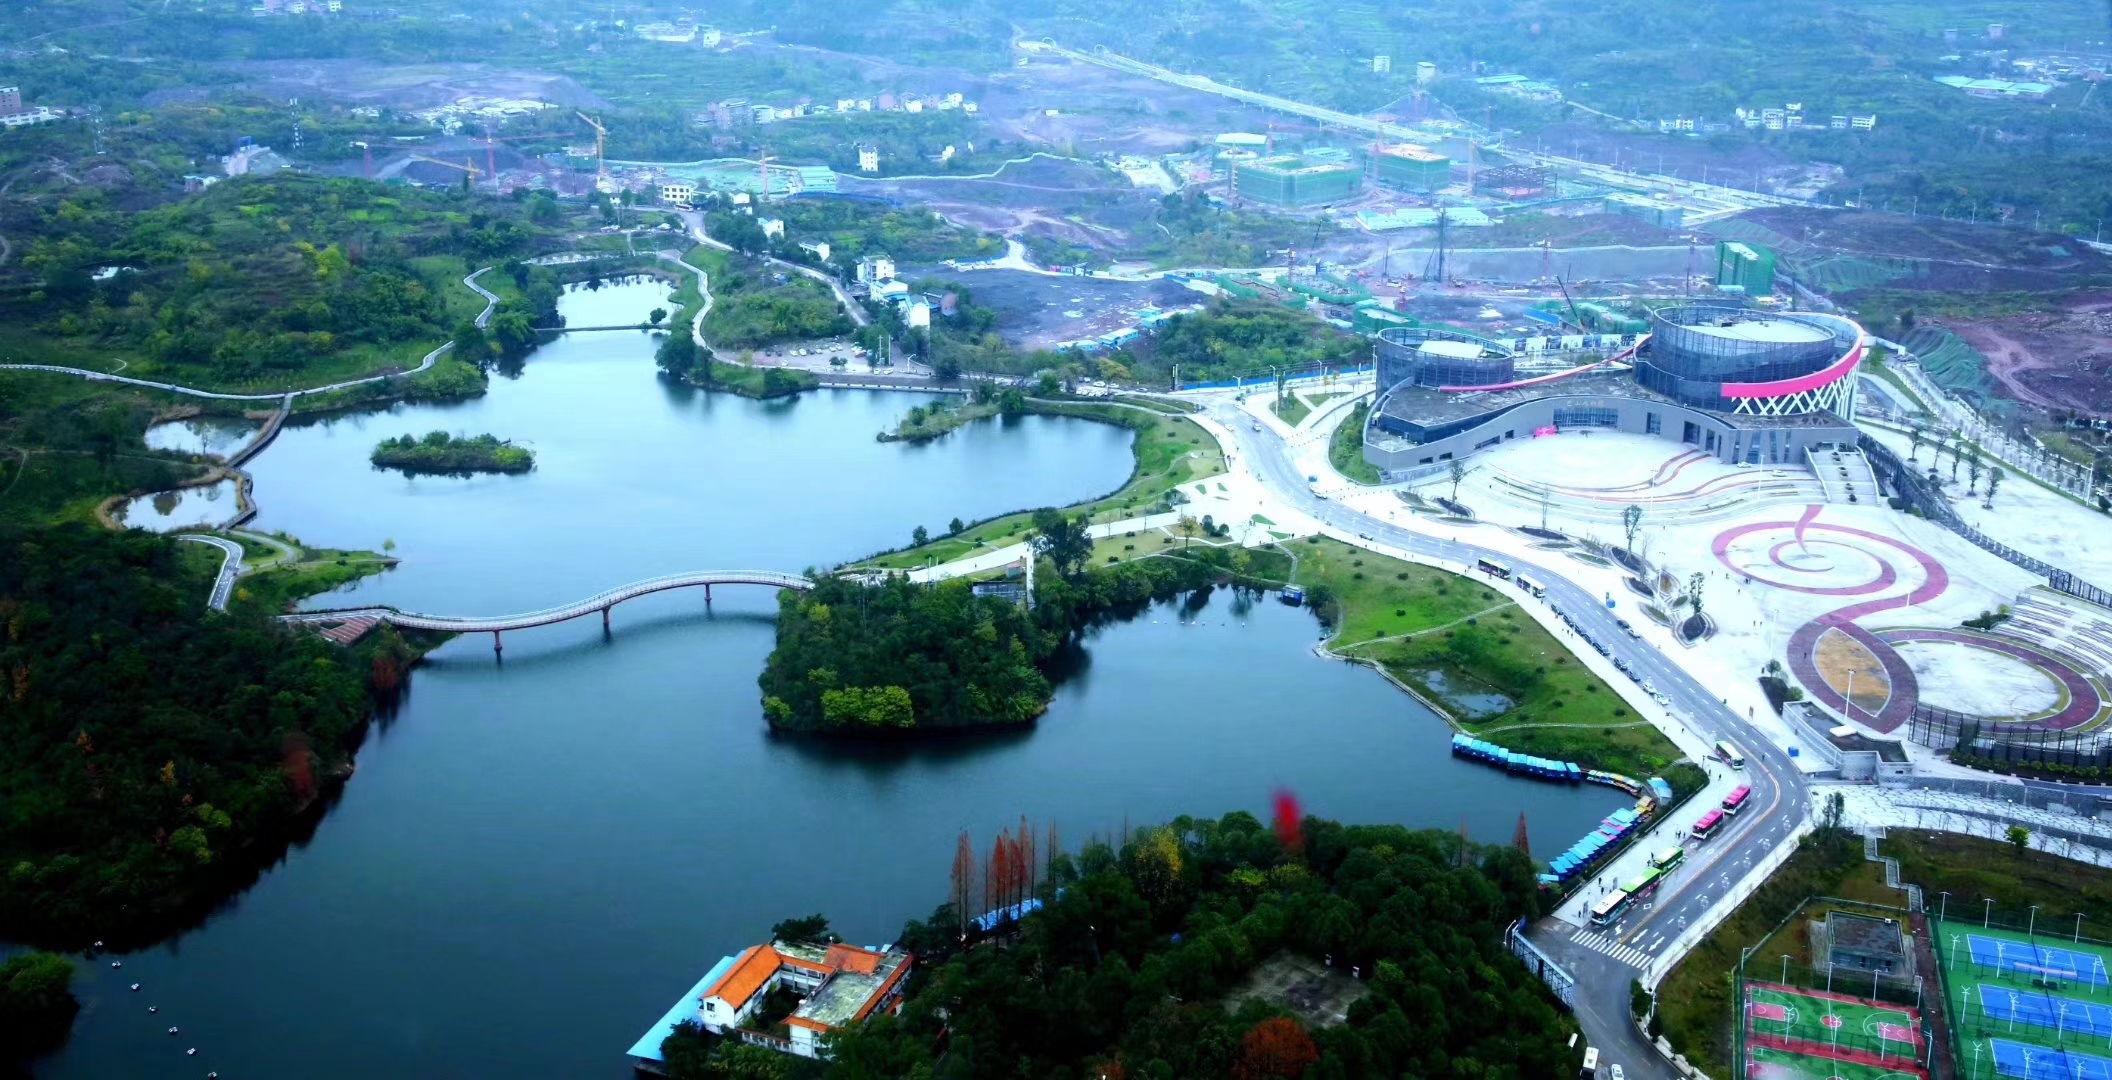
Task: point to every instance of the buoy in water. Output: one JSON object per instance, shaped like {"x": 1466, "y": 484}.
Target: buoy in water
{"x": 153, "y": 1008}
{"x": 172, "y": 1031}
{"x": 117, "y": 964}
{"x": 135, "y": 988}
{"x": 192, "y": 1052}
{"x": 98, "y": 944}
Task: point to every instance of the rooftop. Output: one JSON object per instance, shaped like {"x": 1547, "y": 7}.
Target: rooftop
{"x": 863, "y": 977}
{"x": 1293, "y": 165}
{"x": 1412, "y": 152}
{"x": 1771, "y": 331}
{"x": 1863, "y": 934}
{"x": 1429, "y": 407}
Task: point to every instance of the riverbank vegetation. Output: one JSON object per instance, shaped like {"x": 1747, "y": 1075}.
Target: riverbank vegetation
{"x": 37, "y": 1005}
{"x": 755, "y": 305}
{"x": 1169, "y": 452}
{"x": 444, "y": 454}
{"x": 854, "y": 228}
{"x": 1167, "y": 954}
{"x": 154, "y": 756}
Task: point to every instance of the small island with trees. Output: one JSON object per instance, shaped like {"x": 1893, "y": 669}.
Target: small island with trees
{"x": 447, "y": 455}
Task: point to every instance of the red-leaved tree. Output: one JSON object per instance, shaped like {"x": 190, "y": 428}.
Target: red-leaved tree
{"x": 1275, "y": 1049}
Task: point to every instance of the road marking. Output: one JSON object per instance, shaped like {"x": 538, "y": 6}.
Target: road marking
{"x": 1606, "y": 946}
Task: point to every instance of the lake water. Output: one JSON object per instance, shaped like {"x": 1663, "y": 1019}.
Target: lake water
{"x": 206, "y": 504}
{"x": 201, "y": 435}
{"x": 538, "y": 856}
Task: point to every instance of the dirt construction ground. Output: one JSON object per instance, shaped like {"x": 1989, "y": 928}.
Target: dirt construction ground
{"x": 2060, "y": 359}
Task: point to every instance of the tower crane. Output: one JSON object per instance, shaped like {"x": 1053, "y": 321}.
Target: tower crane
{"x": 601, "y": 148}
{"x": 463, "y": 166}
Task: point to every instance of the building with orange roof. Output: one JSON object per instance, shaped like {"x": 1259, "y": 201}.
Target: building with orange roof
{"x": 836, "y": 984}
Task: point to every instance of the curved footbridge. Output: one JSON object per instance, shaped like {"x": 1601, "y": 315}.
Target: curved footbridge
{"x": 347, "y": 624}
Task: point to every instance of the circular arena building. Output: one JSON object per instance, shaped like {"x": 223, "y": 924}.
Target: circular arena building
{"x": 1436, "y": 357}
{"x": 1750, "y": 386}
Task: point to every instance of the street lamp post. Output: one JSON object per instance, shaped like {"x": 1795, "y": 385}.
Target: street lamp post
{"x": 2078, "y": 927}
{"x": 1785, "y": 969}
{"x": 1987, "y": 912}
{"x": 2031, "y": 925}
{"x": 1943, "y": 908}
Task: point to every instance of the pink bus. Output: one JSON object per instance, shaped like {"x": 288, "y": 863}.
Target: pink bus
{"x": 1707, "y": 824}
{"x": 1736, "y": 799}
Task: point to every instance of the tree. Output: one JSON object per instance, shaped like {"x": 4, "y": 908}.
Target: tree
{"x": 1972, "y": 470}
{"x": 954, "y": 527}
{"x": 919, "y": 536}
{"x": 1994, "y": 478}
{"x": 1632, "y": 523}
{"x": 36, "y": 1004}
{"x": 1011, "y": 402}
{"x": 810, "y": 928}
{"x": 677, "y": 354}
{"x": 1694, "y": 585}
{"x": 1067, "y": 541}
{"x": 1957, "y": 455}
{"x": 2019, "y": 839}
{"x": 1050, "y": 383}
{"x": 1456, "y": 471}
{"x": 1187, "y": 526}
{"x": 1275, "y": 1049}
{"x": 1915, "y": 438}
{"x": 658, "y": 316}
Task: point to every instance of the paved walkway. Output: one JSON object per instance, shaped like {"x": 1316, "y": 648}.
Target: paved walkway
{"x": 601, "y": 602}
{"x": 1803, "y": 643}
{"x": 230, "y": 567}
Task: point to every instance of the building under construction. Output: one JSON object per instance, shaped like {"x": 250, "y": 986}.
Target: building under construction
{"x": 1515, "y": 182}
{"x": 1289, "y": 180}
{"x": 1408, "y": 167}
{"x": 1744, "y": 268}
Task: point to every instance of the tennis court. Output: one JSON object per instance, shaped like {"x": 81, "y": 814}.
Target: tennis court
{"x": 2045, "y": 961}
{"x": 2027, "y": 1062}
{"x": 2061, "y": 1015}
{"x": 1763, "y": 1063}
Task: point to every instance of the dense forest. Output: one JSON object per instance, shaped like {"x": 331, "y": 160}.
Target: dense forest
{"x": 153, "y": 755}
{"x": 1142, "y": 965}
{"x": 891, "y": 658}
{"x": 260, "y": 275}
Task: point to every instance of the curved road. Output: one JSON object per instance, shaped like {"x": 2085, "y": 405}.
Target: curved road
{"x": 1780, "y": 793}
{"x": 603, "y": 601}
{"x": 230, "y": 567}
{"x": 491, "y": 303}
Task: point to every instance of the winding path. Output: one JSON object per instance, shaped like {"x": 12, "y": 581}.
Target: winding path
{"x": 230, "y": 567}
{"x": 491, "y": 303}
{"x": 601, "y": 602}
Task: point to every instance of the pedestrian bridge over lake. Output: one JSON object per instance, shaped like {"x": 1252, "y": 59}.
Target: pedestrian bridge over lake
{"x": 601, "y": 602}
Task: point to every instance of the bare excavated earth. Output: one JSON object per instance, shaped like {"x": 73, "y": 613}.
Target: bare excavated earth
{"x": 2057, "y": 360}
{"x": 409, "y": 86}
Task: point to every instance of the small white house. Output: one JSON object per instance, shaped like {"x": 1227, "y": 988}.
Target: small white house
{"x": 677, "y": 192}
{"x": 874, "y": 269}
{"x": 774, "y": 228}
{"x": 917, "y": 315}
{"x": 818, "y": 248}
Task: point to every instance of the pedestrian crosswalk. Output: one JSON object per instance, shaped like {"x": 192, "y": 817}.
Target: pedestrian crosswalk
{"x": 1601, "y": 943}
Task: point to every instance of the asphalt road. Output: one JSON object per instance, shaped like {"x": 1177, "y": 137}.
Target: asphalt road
{"x": 1603, "y": 963}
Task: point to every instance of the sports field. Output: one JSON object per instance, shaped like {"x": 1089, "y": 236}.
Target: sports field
{"x": 1816, "y": 1034}
{"x": 2031, "y": 1007}
{"x": 1767, "y": 1064}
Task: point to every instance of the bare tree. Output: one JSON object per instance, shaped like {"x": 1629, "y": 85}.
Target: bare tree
{"x": 1994, "y": 477}
{"x": 1457, "y": 472}
{"x": 1632, "y": 523}
{"x": 1915, "y": 437}
{"x": 1694, "y": 592}
{"x": 1972, "y": 470}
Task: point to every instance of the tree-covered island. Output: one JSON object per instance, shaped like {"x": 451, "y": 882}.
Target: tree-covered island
{"x": 892, "y": 658}
{"x": 444, "y": 454}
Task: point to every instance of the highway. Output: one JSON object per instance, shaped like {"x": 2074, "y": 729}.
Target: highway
{"x": 1603, "y": 964}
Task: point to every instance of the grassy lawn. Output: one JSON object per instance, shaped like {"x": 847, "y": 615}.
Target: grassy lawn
{"x": 318, "y": 570}
{"x": 1317, "y": 400}
{"x": 1168, "y": 452}
{"x": 1345, "y": 448}
{"x": 1291, "y": 409}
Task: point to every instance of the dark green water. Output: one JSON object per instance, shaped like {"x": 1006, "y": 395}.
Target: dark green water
{"x": 536, "y": 858}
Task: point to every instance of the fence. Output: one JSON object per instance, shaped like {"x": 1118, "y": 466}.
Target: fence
{"x": 1557, "y": 978}
{"x": 1916, "y": 493}
{"x": 1857, "y": 990}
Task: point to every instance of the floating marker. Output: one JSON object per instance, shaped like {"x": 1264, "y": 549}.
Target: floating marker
{"x": 172, "y": 1031}
{"x": 117, "y": 964}
{"x": 135, "y": 988}
{"x": 192, "y": 1052}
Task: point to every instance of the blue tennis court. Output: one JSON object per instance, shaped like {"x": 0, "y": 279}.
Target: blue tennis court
{"x": 2041, "y": 960}
{"x": 2059, "y": 1014}
{"x": 2038, "y": 1063}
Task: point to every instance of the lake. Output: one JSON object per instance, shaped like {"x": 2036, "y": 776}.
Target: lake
{"x": 538, "y": 855}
